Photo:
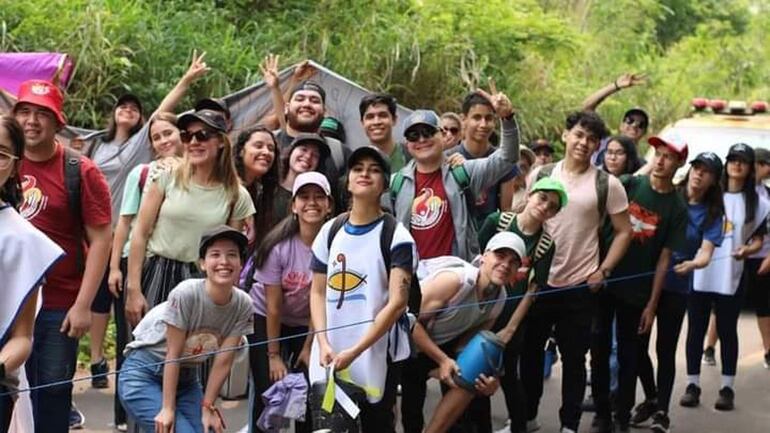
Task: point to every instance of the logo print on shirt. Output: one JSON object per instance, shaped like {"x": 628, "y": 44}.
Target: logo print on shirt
{"x": 345, "y": 280}
{"x": 728, "y": 227}
{"x": 426, "y": 210}
{"x": 644, "y": 223}
{"x": 34, "y": 199}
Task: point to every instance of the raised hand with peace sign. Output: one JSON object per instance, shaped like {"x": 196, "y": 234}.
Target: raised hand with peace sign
{"x": 500, "y": 102}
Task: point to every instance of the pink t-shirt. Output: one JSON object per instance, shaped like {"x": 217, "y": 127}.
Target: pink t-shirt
{"x": 287, "y": 265}
{"x": 575, "y": 229}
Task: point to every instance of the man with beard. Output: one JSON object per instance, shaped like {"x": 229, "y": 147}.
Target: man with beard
{"x": 304, "y": 114}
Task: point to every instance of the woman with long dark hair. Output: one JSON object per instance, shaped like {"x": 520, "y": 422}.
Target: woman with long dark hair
{"x": 25, "y": 255}
{"x": 621, "y": 156}
{"x": 178, "y": 206}
{"x": 278, "y": 279}
{"x": 702, "y": 191}
{"x": 307, "y": 153}
{"x": 256, "y": 163}
{"x": 718, "y": 284}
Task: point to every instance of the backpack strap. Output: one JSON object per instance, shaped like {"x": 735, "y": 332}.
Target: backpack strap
{"x": 72, "y": 184}
{"x": 143, "y": 177}
{"x": 505, "y": 220}
{"x": 602, "y": 191}
{"x": 339, "y": 221}
{"x": 463, "y": 179}
{"x": 543, "y": 245}
{"x": 396, "y": 183}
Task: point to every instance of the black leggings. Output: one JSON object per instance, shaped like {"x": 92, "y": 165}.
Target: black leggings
{"x": 260, "y": 365}
{"x": 670, "y": 315}
{"x": 727, "y": 308}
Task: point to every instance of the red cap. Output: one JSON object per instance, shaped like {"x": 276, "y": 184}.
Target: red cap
{"x": 672, "y": 140}
{"x": 44, "y": 94}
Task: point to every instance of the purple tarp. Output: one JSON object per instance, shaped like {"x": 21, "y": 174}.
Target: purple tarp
{"x": 16, "y": 68}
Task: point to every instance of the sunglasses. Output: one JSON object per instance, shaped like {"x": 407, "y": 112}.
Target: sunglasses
{"x": 200, "y": 135}
{"x": 415, "y": 133}
{"x": 630, "y": 121}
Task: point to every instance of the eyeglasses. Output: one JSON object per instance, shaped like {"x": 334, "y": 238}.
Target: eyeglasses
{"x": 415, "y": 133}
{"x": 200, "y": 135}
{"x": 6, "y": 159}
{"x": 638, "y": 123}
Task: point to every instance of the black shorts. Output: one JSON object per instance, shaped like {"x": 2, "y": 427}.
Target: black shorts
{"x": 103, "y": 300}
{"x": 758, "y": 288}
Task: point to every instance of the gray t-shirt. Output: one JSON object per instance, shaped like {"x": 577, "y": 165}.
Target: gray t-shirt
{"x": 205, "y": 323}
{"x": 115, "y": 161}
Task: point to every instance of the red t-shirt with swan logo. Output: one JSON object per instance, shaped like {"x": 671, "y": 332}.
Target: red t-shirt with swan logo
{"x": 431, "y": 224}
{"x": 46, "y": 206}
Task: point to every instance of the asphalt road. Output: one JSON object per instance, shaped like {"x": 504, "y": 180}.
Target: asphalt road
{"x": 752, "y": 413}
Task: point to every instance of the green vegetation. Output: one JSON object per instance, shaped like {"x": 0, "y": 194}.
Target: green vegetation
{"x": 548, "y": 55}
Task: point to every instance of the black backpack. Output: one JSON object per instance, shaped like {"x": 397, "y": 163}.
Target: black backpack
{"x": 389, "y": 224}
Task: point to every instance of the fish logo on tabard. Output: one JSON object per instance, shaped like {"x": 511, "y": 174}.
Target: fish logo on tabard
{"x": 345, "y": 280}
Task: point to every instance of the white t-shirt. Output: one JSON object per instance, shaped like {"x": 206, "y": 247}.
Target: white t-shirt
{"x": 723, "y": 273}
{"x": 356, "y": 290}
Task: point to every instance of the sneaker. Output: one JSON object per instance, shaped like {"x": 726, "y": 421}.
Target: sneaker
{"x": 691, "y": 397}
{"x": 506, "y": 428}
{"x": 660, "y": 422}
{"x": 533, "y": 425}
{"x": 77, "y": 419}
{"x": 100, "y": 369}
{"x": 566, "y": 430}
{"x": 767, "y": 360}
{"x": 122, "y": 427}
{"x": 643, "y": 412}
{"x": 726, "y": 400}
{"x": 708, "y": 356}
{"x": 601, "y": 425}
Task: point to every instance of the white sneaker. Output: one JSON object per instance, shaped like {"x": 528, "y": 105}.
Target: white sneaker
{"x": 567, "y": 430}
{"x": 533, "y": 425}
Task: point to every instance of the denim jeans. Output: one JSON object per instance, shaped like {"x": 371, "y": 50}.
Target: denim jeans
{"x": 53, "y": 359}
{"x": 141, "y": 392}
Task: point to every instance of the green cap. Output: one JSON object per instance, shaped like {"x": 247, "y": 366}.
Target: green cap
{"x": 551, "y": 184}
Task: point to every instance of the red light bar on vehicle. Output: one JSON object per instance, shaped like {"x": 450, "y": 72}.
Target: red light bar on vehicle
{"x": 717, "y": 104}
{"x": 759, "y": 107}
{"x": 700, "y": 104}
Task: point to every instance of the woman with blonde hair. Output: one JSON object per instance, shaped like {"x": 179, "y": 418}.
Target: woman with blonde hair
{"x": 178, "y": 206}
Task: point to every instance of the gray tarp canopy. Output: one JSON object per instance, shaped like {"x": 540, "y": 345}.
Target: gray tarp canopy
{"x": 250, "y": 104}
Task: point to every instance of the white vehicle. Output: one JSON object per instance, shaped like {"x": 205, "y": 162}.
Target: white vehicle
{"x": 715, "y": 125}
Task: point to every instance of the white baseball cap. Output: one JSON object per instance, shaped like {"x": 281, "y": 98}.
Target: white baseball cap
{"x": 311, "y": 178}
{"x": 507, "y": 240}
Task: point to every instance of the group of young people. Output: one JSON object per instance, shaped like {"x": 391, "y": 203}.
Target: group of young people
{"x": 373, "y": 262}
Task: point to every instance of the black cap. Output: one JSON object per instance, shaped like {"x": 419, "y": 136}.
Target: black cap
{"x": 216, "y": 104}
{"x": 711, "y": 161}
{"x": 541, "y": 143}
{"x": 640, "y": 112}
{"x": 741, "y": 151}
{"x": 212, "y": 118}
{"x": 311, "y": 85}
{"x": 129, "y": 97}
{"x": 316, "y": 139}
{"x": 374, "y": 153}
{"x": 223, "y": 232}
